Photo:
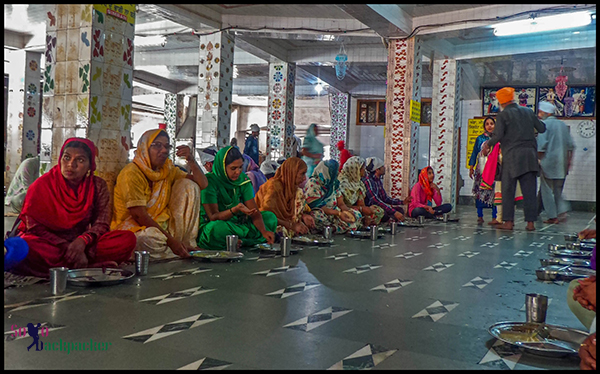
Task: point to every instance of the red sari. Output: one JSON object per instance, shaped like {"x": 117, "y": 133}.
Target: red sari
{"x": 54, "y": 215}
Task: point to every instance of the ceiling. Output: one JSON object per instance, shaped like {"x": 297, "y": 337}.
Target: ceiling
{"x": 311, "y": 36}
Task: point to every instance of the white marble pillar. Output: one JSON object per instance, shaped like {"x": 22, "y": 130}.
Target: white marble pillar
{"x": 215, "y": 81}
{"x": 445, "y": 127}
{"x": 280, "y": 113}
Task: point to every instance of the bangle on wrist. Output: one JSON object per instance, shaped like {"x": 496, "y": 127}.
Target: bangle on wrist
{"x": 231, "y": 210}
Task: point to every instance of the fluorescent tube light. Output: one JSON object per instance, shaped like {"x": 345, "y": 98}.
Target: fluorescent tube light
{"x": 539, "y": 24}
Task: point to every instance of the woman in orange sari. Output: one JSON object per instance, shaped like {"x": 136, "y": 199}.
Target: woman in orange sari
{"x": 66, "y": 217}
{"x": 283, "y": 196}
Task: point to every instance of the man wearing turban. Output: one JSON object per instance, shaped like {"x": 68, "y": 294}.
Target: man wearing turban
{"x": 515, "y": 131}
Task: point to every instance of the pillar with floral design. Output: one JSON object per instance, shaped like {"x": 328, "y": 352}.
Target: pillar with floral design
{"x": 215, "y": 81}
{"x": 280, "y": 113}
{"x": 445, "y": 104}
{"x": 401, "y": 133}
{"x": 173, "y": 114}
{"x": 88, "y": 81}
{"x": 24, "y": 98}
{"x": 340, "y": 106}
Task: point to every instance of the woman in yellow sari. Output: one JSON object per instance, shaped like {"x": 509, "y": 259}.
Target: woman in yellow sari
{"x": 283, "y": 196}
{"x": 157, "y": 201}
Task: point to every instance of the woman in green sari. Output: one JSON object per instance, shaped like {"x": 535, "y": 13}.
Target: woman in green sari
{"x": 312, "y": 149}
{"x": 228, "y": 206}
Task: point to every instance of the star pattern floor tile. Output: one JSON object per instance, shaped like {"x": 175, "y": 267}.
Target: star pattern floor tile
{"x": 9, "y": 336}
{"x": 439, "y": 266}
{"x": 173, "y": 296}
{"x": 362, "y": 269}
{"x": 468, "y": 254}
{"x": 489, "y": 245}
{"x": 478, "y": 282}
{"x": 275, "y": 271}
{"x": 44, "y": 301}
{"x": 437, "y": 310}
{"x": 365, "y": 358}
{"x": 409, "y": 254}
{"x": 384, "y": 245}
{"x": 206, "y": 363}
{"x": 392, "y": 286}
{"x": 505, "y": 265}
{"x": 501, "y": 356}
{"x": 440, "y": 232}
{"x": 182, "y": 273}
{"x": 536, "y": 244}
{"x": 415, "y": 238}
{"x": 293, "y": 290}
{"x": 341, "y": 256}
{"x": 462, "y": 237}
{"x": 438, "y": 245}
{"x": 546, "y": 237}
{"x": 168, "y": 329}
{"x": 506, "y": 237}
{"x": 317, "y": 319}
{"x": 523, "y": 254}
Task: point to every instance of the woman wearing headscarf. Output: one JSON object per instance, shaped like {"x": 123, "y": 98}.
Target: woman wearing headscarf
{"x": 157, "y": 201}
{"x": 269, "y": 168}
{"x": 344, "y": 153}
{"x": 326, "y": 202}
{"x": 312, "y": 149}
{"x": 376, "y": 194}
{"x": 229, "y": 208}
{"x": 253, "y": 172}
{"x": 424, "y": 194}
{"x": 27, "y": 172}
{"x": 283, "y": 196}
{"x": 484, "y": 198}
{"x": 354, "y": 192}
{"x": 66, "y": 217}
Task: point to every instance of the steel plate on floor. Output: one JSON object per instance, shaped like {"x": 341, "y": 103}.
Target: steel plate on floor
{"x": 311, "y": 240}
{"x": 217, "y": 256}
{"x": 570, "y": 253}
{"x": 564, "y": 273}
{"x": 275, "y": 249}
{"x": 98, "y": 277}
{"x": 565, "y": 261}
{"x": 363, "y": 234}
{"x": 542, "y": 339}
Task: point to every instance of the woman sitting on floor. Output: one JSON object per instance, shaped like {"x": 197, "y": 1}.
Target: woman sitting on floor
{"x": 157, "y": 201}
{"x": 66, "y": 217}
{"x": 323, "y": 196}
{"x": 228, "y": 206}
{"x": 354, "y": 192}
{"x": 376, "y": 194}
{"x": 269, "y": 168}
{"x": 283, "y": 196}
{"x": 424, "y": 194}
{"x": 253, "y": 172}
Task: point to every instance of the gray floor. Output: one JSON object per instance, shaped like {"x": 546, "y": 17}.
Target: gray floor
{"x": 323, "y": 312}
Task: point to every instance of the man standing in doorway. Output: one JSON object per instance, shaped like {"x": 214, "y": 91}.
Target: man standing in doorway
{"x": 515, "y": 130}
{"x": 251, "y": 146}
{"x": 555, "y": 151}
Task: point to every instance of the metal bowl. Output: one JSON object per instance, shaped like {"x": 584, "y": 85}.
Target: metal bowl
{"x": 574, "y": 245}
{"x": 549, "y": 273}
{"x": 571, "y": 237}
{"x": 565, "y": 261}
{"x": 556, "y": 247}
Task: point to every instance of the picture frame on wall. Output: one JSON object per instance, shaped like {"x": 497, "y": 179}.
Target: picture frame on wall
{"x": 580, "y": 101}
{"x": 524, "y": 96}
{"x": 549, "y": 94}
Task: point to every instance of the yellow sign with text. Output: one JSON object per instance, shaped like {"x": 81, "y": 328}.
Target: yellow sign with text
{"x": 474, "y": 129}
{"x": 415, "y": 111}
{"x": 126, "y": 12}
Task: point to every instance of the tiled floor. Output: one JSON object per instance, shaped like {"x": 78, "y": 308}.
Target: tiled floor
{"x": 422, "y": 299}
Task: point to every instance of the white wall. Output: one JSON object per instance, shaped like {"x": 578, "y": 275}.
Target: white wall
{"x": 364, "y": 141}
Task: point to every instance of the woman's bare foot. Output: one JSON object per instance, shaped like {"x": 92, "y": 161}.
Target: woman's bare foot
{"x": 479, "y": 220}
{"x": 494, "y": 222}
{"x": 530, "y": 226}
{"x": 507, "y": 225}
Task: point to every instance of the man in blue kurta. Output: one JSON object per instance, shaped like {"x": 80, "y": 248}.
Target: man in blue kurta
{"x": 251, "y": 146}
{"x": 555, "y": 151}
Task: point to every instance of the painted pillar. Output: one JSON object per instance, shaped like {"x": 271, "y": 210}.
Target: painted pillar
{"x": 23, "y": 133}
{"x": 173, "y": 114}
{"x": 445, "y": 127}
{"x": 340, "y": 106}
{"x": 215, "y": 80}
{"x": 401, "y": 134}
{"x": 88, "y": 81}
{"x": 280, "y": 113}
